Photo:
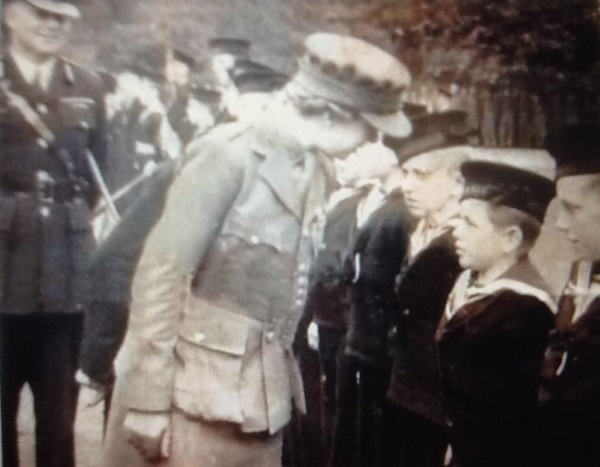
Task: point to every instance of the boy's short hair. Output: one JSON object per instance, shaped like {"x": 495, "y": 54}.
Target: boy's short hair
{"x": 502, "y": 217}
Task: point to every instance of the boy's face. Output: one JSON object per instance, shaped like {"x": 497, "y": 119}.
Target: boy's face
{"x": 579, "y": 213}
{"x": 427, "y": 184}
{"x": 478, "y": 241}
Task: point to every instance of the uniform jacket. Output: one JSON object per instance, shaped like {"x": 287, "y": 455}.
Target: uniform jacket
{"x": 222, "y": 282}
{"x": 424, "y": 285}
{"x": 328, "y": 298}
{"x": 379, "y": 248}
{"x": 491, "y": 351}
{"x": 575, "y": 384}
{"x": 45, "y": 244}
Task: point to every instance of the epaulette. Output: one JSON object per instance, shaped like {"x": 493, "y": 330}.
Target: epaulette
{"x": 68, "y": 70}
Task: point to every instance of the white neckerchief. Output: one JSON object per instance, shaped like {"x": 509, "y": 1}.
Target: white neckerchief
{"x": 32, "y": 71}
{"x": 369, "y": 203}
{"x": 585, "y": 289}
{"x": 464, "y": 291}
{"x": 428, "y": 230}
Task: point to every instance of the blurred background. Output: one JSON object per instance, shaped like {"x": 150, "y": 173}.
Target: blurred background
{"x": 517, "y": 66}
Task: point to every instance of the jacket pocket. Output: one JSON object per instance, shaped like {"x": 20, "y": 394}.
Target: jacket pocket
{"x": 209, "y": 355}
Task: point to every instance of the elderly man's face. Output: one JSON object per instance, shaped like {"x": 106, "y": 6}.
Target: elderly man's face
{"x": 36, "y": 32}
{"x": 428, "y": 184}
{"x": 579, "y": 213}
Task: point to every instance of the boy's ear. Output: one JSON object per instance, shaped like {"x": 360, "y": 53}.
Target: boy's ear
{"x": 512, "y": 239}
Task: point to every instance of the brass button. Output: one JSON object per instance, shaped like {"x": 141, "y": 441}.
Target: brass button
{"x": 270, "y": 336}
{"x": 42, "y": 108}
{"x": 45, "y": 211}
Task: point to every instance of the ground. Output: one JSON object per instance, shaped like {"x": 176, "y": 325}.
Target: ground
{"x": 88, "y": 434}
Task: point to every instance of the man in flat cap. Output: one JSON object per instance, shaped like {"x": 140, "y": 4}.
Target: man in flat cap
{"x": 572, "y": 372}
{"x": 206, "y": 375}
{"x": 432, "y": 187}
{"x": 497, "y": 320}
{"x": 52, "y": 116}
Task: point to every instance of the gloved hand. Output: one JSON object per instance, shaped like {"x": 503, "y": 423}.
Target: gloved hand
{"x": 149, "y": 433}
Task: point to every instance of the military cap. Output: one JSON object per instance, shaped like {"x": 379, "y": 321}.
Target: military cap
{"x": 433, "y": 131}
{"x": 206, "y": 93}
{"x": 184, "y": 56}
{"x": 576, "y": 149}
{"x": 230, "y": 45}
{"x": 353, "y": 73}
{"x": 254, "y": 81}
{"x": 64, "y": 7}
{"x": 506, "y": 185}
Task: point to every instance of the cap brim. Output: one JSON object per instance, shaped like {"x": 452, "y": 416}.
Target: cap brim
{"x": 59, "y": 8}
{"x": 397, "y": 124}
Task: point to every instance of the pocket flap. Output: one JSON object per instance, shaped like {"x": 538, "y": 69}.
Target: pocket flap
{"x": 215, "y": 328}
{"x": 7, "y": 212}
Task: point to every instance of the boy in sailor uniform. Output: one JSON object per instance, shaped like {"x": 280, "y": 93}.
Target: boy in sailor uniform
{"x": 492, "y": 336}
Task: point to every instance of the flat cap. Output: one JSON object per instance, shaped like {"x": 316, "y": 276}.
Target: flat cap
{"x": 353, "y": 73}
{"x": 576, "y": 149}
{"x": 433, "y": 131}
{"x": 507, "y": 185}
{"x": 64, "y": 7}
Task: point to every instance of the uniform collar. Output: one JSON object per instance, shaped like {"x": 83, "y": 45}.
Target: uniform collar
{"x": 522, "y": 278}
{"x": 286, "y": 162}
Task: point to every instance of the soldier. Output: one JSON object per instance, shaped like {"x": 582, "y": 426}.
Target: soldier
{"x": 206, "y": 375}
{"x": 495, "y": 328}
{"x": 432, "y": 187}
{"x": 52, "y": 115}
{"x": 571, "y": 372}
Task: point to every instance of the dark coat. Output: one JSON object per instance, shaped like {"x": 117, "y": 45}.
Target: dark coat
{"x": 45, "y": 243}
{"x": 570, "y": 402}
{"x": 380, "y": 247}
{"x": 423, "y": 287}
{"x": 491, "y": 353}
{"x": 328, "y": 298}
{"x": 578, "y": 385}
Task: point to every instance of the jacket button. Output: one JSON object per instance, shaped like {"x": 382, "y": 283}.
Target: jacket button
{"x": 45, "y": 211}
{"x": 299, "y": 302}
{"x": 42, "y": 108}
{"x": 406, "y": 312}
{"x": 270, "y": 336}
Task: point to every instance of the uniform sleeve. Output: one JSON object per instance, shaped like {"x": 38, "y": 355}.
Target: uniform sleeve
{"x": 196, "y": 207}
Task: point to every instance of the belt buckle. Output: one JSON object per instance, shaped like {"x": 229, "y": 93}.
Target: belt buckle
{"x": 44, "y": 185}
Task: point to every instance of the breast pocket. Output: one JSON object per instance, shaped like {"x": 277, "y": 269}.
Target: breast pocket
{"x": 77, "y": 112}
